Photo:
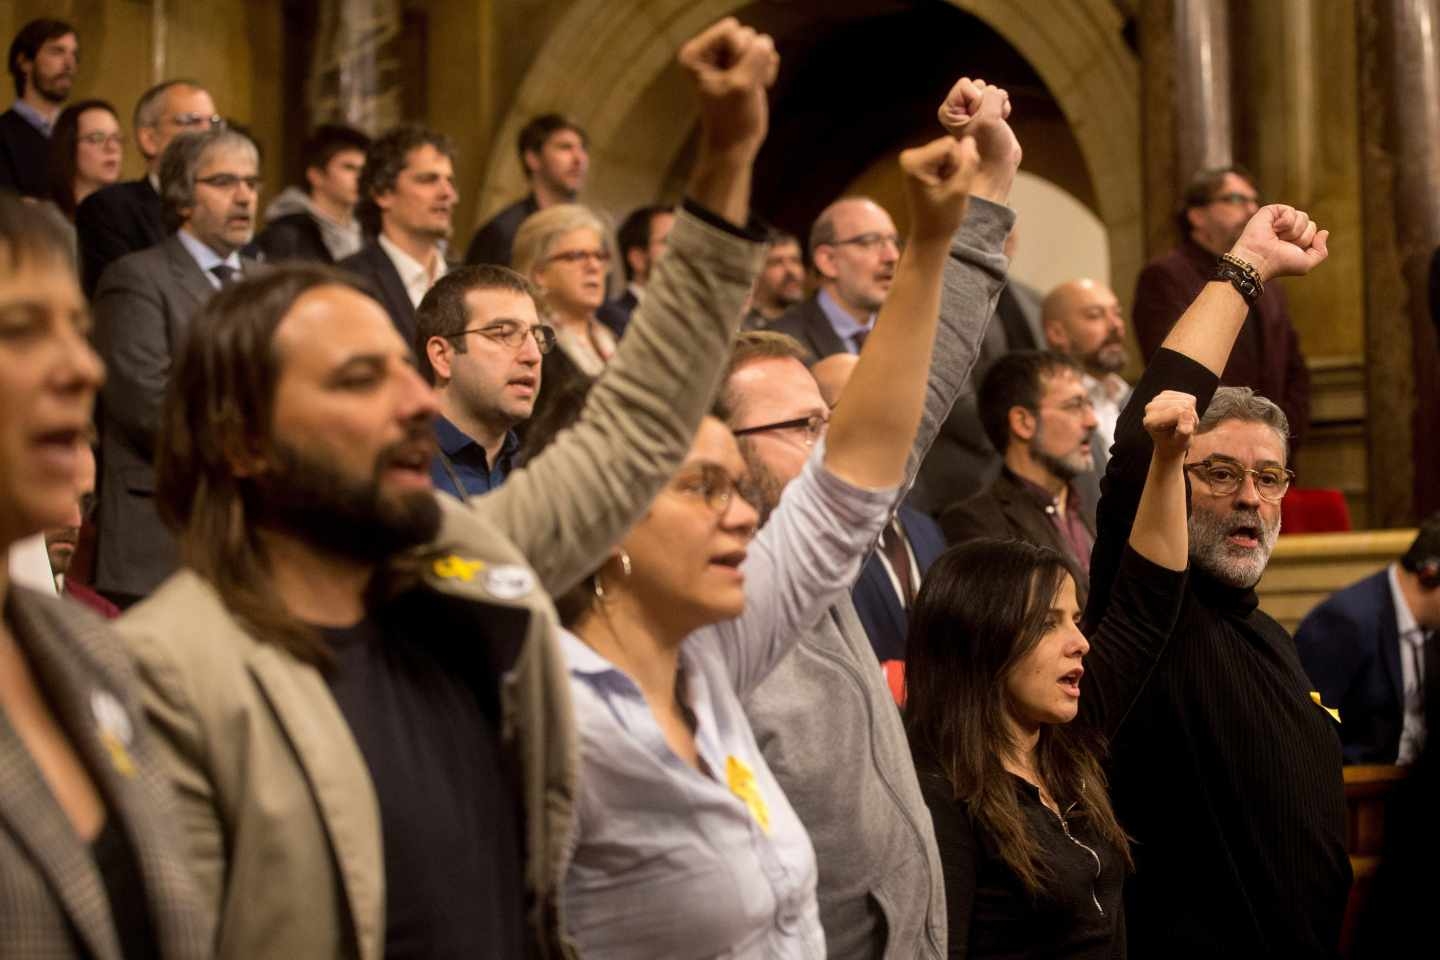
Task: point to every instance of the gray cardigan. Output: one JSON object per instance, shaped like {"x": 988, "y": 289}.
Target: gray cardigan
{"x": 825, "y": 720}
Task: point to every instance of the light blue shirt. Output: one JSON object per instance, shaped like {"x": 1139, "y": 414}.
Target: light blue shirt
{"x": 669, "y": 861}
{"x": 844, "y": 325}
{"x": 34, "y": 117}
{"x": 208, "y": 258}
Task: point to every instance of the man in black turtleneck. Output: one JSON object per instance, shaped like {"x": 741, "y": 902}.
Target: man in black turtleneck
{"x": 1226, "y": 771}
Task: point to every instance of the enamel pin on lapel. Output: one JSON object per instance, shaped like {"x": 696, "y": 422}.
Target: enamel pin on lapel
{"x": 457, "y": 568}
{"x": 509, "y": 581}
{"x": 116, "y": 732}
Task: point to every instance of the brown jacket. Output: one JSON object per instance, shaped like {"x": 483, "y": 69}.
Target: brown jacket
{"x": 52, "y": 900}
{"x": 276, "y": 798}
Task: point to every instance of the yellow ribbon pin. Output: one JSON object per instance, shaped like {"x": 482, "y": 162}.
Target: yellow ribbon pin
{"x": 741, "y": 780}
{"x": 1315, "y": 695}
{"x": 457, "y": 568}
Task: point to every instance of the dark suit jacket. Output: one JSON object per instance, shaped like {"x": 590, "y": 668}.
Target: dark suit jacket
{"x": 373, "y": 265}
{"x": 24, "y": 156}
{"x": 1267, "y": 352}
{"x": 52, "y": 899}
{"x": 615, "y": 314}
{"x": 1350, "y": 646}
{"x": 874, "y": 595}
{"x": 143, "y": 308}
{"x": 295, "y": 236}
{"x": 119, "y": 219}
{"x": 1007, "y": 511}
{"x": 807, "y": 323}
{"x": 493, "y": 242}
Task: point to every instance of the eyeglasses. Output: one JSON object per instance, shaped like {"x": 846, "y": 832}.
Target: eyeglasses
{"x": 814, "y": 428}
{"x": 228, "y": 181}
{"x": 870, "y": 242}
{"x": 1237, "y": 199}
{"x": 1076, "y": 405}
{"x": 195, "y": 121}
{"x": 513, "y": 335}
{"x": 96, "y": 138}
{"x": 1224, "y": 476}
{"x": 601, "y": 257}
{"x": 713, "y": 484}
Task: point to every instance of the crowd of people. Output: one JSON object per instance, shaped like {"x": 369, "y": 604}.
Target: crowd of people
{"x": 466, "y": 609}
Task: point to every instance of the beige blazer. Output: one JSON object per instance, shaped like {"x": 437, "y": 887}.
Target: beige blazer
{"x": 276, "y": 799}
{"x": 52, "y": 901}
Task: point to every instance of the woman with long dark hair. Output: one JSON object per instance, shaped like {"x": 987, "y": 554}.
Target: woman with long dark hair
{"x": 1034, "y": 858}
{"x": 86, "y": 148}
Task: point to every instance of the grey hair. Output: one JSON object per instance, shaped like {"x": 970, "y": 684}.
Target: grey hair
{"x": 151, "y": 104}
{"x": 539, "y": 231}
{"x": 1242, "y": 403}
{"x": 180, "y": 162}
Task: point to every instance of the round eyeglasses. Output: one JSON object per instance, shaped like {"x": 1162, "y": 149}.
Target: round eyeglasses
{"x": 1224, "y": 476}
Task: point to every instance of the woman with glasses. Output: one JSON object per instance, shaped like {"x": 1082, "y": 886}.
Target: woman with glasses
{"x": 687, "y": 847}
{"x": 86, "y": 148}
{"x": 1033, "y": 856}
{"x": 90, "y": 860}
{"x": 563, "y": 250}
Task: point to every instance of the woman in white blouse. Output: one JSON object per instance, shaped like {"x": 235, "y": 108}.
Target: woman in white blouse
{"x": 686, "y": 845}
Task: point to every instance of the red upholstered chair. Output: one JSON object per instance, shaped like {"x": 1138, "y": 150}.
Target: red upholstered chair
{"x": 1314, "y": 510}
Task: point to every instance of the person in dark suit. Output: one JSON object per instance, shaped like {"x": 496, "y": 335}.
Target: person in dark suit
{"x": 1216, "y": 206}
{"x": 1037, "y": 413}
{"x": 91, "y": 862}
{"x": 318, "y": 223}
{"x": 143, "y": 309}
{"x": 854, "y": 247}
{"x": 555, "y": 155}
{"x": 128, "y": 216}
{"x": 781, "y": 284}
{"x": 641, "y": 239}
{"x": 407, "y": 201}
{"x": 1372, "y": 651}
{"x": 43, "y": 59}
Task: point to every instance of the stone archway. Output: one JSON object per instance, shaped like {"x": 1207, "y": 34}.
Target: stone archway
{"x": 602, "y": 60}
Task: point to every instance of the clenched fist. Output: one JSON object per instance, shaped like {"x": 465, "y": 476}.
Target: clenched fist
{"x": 937, "y": 185}
{"x": 732, "y": 66}
{"x": 1280, "y": 241}
{"x": 979, "y": 110}
{"x": 1170, "y": 419}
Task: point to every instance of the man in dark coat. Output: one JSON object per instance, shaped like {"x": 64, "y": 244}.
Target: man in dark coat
{"x": 554, "y": 153}
{"x": 43, "y": 59}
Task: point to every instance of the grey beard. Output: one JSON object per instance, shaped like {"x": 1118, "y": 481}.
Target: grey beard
{"x": 1059, "y": 466}
{"x": 1232, "y": 566}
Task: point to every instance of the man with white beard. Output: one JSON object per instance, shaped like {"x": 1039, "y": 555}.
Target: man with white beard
{"x": 1227, "y": 767}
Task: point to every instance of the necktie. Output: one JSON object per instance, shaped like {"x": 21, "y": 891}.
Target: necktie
{"x": 858, "y": 338}
{"x": 225, "y": 273}
{"x": 892, "y": 541}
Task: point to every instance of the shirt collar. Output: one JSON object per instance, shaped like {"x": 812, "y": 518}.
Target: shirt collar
{"x": 452, "y": 439}
{"x": 1404, "y": 619}
{"x": 206, "y": 257}
{"x": 409, "y": 268}
{"x": 33, "y": 117}
{"x": 1041, "y": 495}
{"x": 843, "y": 324}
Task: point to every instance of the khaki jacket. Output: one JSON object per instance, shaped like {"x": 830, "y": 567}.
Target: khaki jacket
{"x": 276, "y": 800}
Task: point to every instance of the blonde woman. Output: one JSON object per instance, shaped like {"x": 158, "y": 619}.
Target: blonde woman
{"x": 564, "y": 249}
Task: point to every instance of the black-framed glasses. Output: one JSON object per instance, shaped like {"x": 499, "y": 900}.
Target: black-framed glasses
{"x": 870, "y": 242}
{"x": 98, "y": 138}
{"x": 601, "y": 257}
{"x": 513, "y": 335}
{"x": 812, "y": 428}
{"x": 1224, "y": 476}
{"x": 713, "y": 484}
{"x": 229, "y": 181}
{"x": 1236, "y": 199}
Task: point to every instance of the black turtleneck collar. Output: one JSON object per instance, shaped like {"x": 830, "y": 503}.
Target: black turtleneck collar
{"x": 1232, "y": 601}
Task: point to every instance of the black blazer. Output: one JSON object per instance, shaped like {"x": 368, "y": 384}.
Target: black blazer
{"x": 877, "y": 603}
{"x": 1007, "y": 511}
{"x": 1350, "y": 646}
{"x": 295, "y": 236}
{"x": 616, "y": 313}
{"x": 24, "y": 156}
{"x": 494, "y": 241}
{"x": 374, "y": 266}
{"x": 119, "y": 219}
{"x": 807, "y": 323}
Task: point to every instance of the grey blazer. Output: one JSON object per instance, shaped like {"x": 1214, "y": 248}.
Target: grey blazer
{"x": 143, "y": 307}
{"x": 52, "y": 900}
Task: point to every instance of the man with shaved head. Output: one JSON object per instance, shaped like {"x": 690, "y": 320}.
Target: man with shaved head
{"x": 854, "y": 247}
{"x": 1083, "y": 320}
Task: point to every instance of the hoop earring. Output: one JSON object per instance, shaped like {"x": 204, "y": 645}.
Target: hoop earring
{"x": 625, "y": 563}
{"x": 625, "y": 569}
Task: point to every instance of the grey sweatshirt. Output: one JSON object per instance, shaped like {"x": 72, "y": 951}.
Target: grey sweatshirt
{"x": 824, "y": 718}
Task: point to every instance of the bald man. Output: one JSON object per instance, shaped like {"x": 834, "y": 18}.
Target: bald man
{"x": 1082, "y": 319}
{"x": 892, "y": 574}
{"x": 854, "y": 247}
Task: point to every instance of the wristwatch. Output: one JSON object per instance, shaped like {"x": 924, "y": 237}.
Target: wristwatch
{"x": 1245, "y": 278}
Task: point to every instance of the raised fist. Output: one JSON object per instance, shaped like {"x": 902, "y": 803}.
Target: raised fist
{"x": 937, "y": 184}
{"x": 1170, "y": 419}
{"x": 978, "y": 110}
{"x": 732, "y": 66}
{"x": 1280, "y": 241}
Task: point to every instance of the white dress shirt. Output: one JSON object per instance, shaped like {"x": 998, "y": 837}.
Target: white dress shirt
{"x": 1412, "y": 672}
{"x": 1109, "y": 396}
{"x": 413, "y": 274}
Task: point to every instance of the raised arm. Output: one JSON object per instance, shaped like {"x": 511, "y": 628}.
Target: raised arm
{"x": 570, "y": 504}
{"x": 1160, "y": 533}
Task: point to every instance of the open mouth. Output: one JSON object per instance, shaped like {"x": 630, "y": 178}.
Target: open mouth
{"x": 1246, "y": 537}
{"x": 1070, "y": 682}
{"x": 412, "y": 462}
{"x": 729, "y": 561}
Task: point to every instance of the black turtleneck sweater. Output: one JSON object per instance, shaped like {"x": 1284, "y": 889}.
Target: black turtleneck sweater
{"x": 1225, "y": 772}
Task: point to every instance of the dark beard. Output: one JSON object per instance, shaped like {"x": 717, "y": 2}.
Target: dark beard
{"x": 764, "y": 487}
{"x": 312, "y": 500}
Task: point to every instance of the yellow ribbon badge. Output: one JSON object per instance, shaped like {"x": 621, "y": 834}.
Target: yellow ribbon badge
{"x": 741, "y": 780}
{"x": 457, "y": 568}
{"x": 1315, "y": 695}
